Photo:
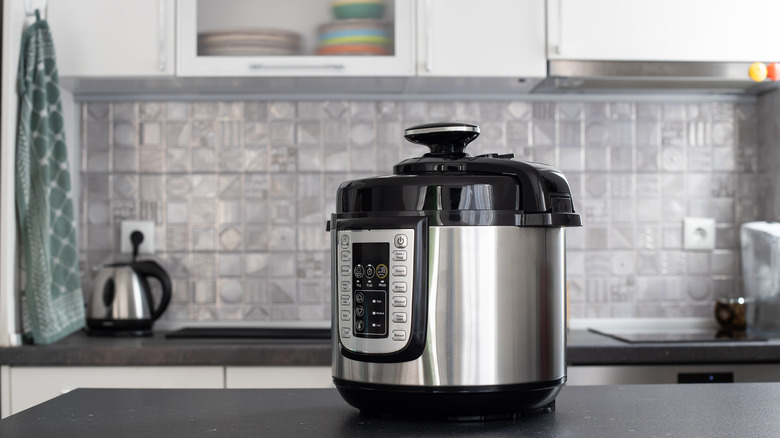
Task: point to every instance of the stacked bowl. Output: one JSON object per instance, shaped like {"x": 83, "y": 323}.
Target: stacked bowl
{"x": 358, "y": 30}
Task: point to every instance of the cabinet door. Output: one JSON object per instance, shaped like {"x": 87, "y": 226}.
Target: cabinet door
{"x": 278, "y": 377}
{"x": 487, "y": 38}
{"x": 30, "y": 386}
{"x": 290, "y": 17}
{"x": 664, "y": 30}
{"x": 99, "y": 38}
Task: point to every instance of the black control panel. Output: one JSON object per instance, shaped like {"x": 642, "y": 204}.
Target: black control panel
{"x": 370, "y": 285}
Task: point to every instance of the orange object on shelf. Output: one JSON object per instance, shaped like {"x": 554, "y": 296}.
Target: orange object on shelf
{"x": 757, "y": 71}
{"x": 773, "y": 71}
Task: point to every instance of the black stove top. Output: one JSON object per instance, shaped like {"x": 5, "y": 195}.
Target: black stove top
{"x": 640, "y": 337}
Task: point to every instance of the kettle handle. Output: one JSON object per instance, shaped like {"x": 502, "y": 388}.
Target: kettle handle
{"x": 150, "y": 268}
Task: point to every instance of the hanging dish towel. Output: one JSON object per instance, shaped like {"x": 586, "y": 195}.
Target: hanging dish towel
{"x": 52, "y": 302}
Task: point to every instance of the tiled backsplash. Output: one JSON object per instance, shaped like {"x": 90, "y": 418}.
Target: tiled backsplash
{"x": 240, "y": 192}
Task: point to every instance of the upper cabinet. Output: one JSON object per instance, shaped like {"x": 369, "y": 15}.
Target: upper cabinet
{"x": 663, "y": 30}
{"x": 485, "y": 38}
{"x": 99, "y": 38}
{"x": 294, "y": 38}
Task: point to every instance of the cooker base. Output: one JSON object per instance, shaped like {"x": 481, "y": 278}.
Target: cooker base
{"x": 452, "y": 402}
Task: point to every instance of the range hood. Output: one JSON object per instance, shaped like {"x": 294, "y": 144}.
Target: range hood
{"x": 569, "y": 76}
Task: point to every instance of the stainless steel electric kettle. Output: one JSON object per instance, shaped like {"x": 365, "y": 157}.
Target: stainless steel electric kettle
{"x": 122, "y": 302}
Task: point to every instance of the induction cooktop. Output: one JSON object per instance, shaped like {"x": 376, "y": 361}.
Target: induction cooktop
{"x": 639, "y": 337}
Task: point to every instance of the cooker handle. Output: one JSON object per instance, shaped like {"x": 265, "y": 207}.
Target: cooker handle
{"x": 446, "y": 139}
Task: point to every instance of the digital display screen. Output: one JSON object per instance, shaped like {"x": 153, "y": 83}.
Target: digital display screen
{"x": 370, "y": 277}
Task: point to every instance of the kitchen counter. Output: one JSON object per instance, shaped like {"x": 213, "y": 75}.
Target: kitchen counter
{"x": 584, "y": 348}
{"x": 742, "y": 409}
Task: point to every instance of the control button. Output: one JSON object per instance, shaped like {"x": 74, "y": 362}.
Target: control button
{"x": 370, "y": 271}
{"x": 345, "y": 332}
{"x": 345, "y": 270}
{"x": 345, "y": 300}
{"x": 359, "y": 311}
{"x": 359, "y": 271}
{"x": 345, "y": 256}
{"x": 381, "y": 271}
{"x": 345, "y": 315}
{"x": 399, "y": 271}
{"x": 399, "y": 256}
{"x": 344, "y": 241}
{"x": 360, "y": 325}
{"x": 345, "y": 286}
{"x": 399, "y": 286}
{"x": 359, "y": 298}
{"x": 399, "y": 316}
{"x": 400, "y": 241}
{"x": 399, "y": 301}
{"x": 399, "y": 335}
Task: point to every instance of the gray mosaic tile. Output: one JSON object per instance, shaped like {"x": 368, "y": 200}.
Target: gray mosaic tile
{"x": 97, "y": 135}
{"x": 124, "y": 111}
{"x": 282, "y": 238}
{"x": 256, "y": 111}
{"x": 256, "y": 237}
{"x": 203, "y": 239}
{"x": 203, "y": 159}
{"x": 229, "y": 212}
{"x": 543, "y": 133}
{"x": 204, "y": 133}
{"x": 98, "y": 213}
{"x": 230, "y": 159}
{"x": 150, "y": 160}
{"x": 177, "y": 111}
{"x": 177, "y": 160}
{"x": 229, "y": 186}
{"x": 231, "y": 291}
{"x": 257, "y": 185}
{"x": 178, "y": 212}
{"x": 98, "y": 160}
{"x": 124, "y": 134}
{"x": 308, "y": 133}
{"x": 230, "y": 134}
{"x": 177, "y": 238}
{"x": 149, "y": 133}
{"x": 96, "y": 110}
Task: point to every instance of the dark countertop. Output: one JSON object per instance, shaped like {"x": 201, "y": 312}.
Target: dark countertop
{"x": 708, "y": 410}
{"x": 584, "y": 348}
{"x": 82, "y": 350}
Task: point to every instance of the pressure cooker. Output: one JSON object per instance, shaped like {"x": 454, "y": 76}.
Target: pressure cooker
{"x": 449, "y": 283}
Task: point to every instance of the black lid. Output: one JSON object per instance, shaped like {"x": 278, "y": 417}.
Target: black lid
{"x": 452, "y": 187}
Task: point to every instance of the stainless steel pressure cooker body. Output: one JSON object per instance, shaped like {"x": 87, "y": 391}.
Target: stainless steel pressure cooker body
{"x": 449, "y": 282}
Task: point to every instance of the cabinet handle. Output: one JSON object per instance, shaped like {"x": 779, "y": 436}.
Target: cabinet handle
{"x": 296, "y": 66}
{"x": 162, "y": 60}
{"x": 429, "y": 37}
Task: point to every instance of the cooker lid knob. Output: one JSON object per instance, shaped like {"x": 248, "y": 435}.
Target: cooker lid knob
{"x": 445, "y": 139}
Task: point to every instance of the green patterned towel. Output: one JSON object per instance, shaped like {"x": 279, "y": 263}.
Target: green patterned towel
{"x": 52, "y": 302}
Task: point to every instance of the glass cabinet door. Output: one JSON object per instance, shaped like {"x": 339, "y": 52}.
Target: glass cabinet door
{"x": 295, "y": 38}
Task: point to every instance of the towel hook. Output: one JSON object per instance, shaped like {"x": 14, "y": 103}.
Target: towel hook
{"x": 29, "y": 10}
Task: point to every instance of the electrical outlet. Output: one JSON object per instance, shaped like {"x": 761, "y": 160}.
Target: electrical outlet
{"x": 145, "y": 227}
{"x": 699, "y": 233}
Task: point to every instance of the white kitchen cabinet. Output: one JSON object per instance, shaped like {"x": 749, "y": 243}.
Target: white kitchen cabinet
{"x": 98, "y": 38}
{"x": 663, "y": 30}
{"x": 665, "y": 374}
{"x": 278, "y": 377}
{"x": 300, "y": 16}
{"x": 25, "y": 387}
{"x": 488, "y": 38}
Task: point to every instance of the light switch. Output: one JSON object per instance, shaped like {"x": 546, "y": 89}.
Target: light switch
{"x": 699, "y": 233}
